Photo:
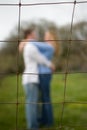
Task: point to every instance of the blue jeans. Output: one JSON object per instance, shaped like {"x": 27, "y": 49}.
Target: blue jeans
{"x": 44, "y": 86}
{"x": 31, "y": 93}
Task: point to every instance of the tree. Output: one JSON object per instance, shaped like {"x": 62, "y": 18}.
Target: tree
{"x": 11, "y": 61}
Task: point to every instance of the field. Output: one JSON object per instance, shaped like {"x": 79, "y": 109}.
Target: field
{"x": 12, "y": 116}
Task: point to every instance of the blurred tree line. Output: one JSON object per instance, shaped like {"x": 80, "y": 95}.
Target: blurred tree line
{"x": 75, "y": 51}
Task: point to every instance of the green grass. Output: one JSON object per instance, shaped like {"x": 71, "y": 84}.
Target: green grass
{"x": 74, "y": 114}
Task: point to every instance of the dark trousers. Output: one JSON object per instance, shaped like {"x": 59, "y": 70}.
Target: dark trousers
{"x": 46, "y": 112}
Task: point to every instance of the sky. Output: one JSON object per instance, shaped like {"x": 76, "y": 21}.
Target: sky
{"x": 61, "y": 14}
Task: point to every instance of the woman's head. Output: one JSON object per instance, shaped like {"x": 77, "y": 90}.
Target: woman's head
{"x": 51, "y": 36}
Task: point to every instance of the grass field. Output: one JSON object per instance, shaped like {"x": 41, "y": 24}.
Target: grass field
{"x": 75, "y": 108}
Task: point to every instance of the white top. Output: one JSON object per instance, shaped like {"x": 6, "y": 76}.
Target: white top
{"x": 32, "y": 57}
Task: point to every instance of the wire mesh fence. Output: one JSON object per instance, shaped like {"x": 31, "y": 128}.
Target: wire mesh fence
{"x": 64, "y": 102}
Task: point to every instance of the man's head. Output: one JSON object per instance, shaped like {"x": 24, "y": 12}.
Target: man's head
{"x": 29, "y": 34}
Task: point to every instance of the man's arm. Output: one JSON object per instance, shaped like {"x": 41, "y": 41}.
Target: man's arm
{"x": 38, "y": 57}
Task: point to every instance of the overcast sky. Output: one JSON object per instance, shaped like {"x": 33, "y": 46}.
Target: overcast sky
{"x": 61, "y": 14}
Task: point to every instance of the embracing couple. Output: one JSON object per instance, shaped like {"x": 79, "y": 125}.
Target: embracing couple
{"x": 37, "y": 76}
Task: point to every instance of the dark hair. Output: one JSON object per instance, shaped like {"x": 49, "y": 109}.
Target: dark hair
{"x": 27, "y": 32}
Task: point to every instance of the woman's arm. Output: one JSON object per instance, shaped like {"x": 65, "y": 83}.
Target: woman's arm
{"x": 44, "y": 46}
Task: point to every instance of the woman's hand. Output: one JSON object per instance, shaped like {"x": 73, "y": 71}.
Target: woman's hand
{"x": 21, "y": 45}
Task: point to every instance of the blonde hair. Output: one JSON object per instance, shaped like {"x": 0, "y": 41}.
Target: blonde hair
{"x": 54, "y": 40}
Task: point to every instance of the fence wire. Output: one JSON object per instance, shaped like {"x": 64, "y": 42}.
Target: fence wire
{"x": 66, "y": 73}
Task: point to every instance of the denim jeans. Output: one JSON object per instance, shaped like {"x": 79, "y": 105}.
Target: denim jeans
{"x": 44, "y": 87}
{"x": 31, "y": 93}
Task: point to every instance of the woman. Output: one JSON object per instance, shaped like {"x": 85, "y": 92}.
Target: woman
{"x": 45, "y": 75}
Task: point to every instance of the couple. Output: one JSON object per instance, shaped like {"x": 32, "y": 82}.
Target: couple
{"x": 37, "y": 76}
